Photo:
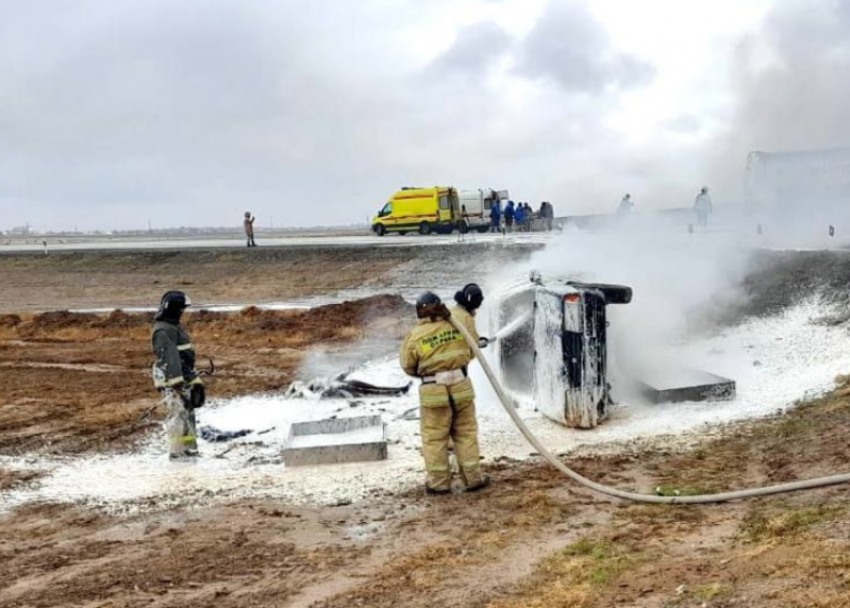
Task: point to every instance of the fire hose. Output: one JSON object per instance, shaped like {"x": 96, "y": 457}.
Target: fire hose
{"x": 795, "y": 486}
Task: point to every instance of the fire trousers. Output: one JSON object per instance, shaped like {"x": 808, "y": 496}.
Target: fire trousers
{"x": 455, "y": 422}
{"x": 180, "y": 426}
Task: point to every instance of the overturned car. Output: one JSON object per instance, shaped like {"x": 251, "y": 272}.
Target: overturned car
{"x": 552, "y": 338}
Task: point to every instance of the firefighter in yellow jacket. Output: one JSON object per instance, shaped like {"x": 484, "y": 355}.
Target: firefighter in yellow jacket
{"x": 435, "y": 352}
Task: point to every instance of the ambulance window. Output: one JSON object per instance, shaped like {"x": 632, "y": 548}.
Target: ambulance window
{"x": 444, "y": 202}
{"x": 388, "y": 209}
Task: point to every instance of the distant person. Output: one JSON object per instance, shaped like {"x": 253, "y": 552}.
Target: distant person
{"x": 550, "y": 216}
{"x": 529, "y": 217}
{"x": 626, "y": 205}
{"x": 174, "y": 374}
{"x": 249, "y": 228}
{"x": 519, "y": 217}
{"x": 44, "y": 243}
{"x": 495, "y": 217}
{"x": 702, "y": 207}
{"x": 510, "y": 214}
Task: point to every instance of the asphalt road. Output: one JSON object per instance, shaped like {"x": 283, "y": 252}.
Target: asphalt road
{"x": 34, "y": 244}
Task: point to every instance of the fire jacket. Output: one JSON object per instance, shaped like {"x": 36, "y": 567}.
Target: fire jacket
{"x": 433, "y": 347}
{"x": 175, "y": 355}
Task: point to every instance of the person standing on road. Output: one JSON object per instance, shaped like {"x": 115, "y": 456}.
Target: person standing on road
{"x": 519, "y": 217}
{"x": 509, "y": 216}
{"x": 626, "y": 205}
{"x": 174, "y": 374}
{"x": 702, "y": 207}
{"x": 436, "y": 352}
{"x": 547, "y": 212}
{"x": 529, "y": 217}
{"x": 248, "y": 222}
{"x": 495, "y": 217}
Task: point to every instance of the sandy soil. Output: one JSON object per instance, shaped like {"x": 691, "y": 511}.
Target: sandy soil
{"x": 531, "y": 540}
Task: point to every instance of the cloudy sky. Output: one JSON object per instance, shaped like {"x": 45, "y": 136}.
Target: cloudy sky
{"x": 189, "y": 112}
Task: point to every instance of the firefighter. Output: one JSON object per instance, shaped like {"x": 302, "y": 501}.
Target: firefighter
{"x": 703, "y": 207}
{"x": 435, "y": 352}
{"x": 175, "y": 376}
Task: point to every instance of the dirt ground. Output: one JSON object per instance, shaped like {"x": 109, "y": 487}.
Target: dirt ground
{"x": 98, "y": 279}
{"x": 93, "y": 371}
{"x": 532, "y": 540}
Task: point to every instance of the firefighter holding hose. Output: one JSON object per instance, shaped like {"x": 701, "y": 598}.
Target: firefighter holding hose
{"x": 435, "y": 352}
{"x": 175, "y": 376}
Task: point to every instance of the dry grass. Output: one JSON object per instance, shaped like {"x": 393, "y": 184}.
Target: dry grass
{"x": 781, "y": 524}
{"x": 571, "y": 577}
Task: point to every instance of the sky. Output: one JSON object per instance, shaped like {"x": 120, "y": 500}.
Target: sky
{"x": 116, "y": 113}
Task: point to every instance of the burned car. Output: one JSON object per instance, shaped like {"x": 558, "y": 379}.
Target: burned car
{"x": 551, "y": 339}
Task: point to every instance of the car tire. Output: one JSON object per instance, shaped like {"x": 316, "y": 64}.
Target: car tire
{"x": 424, "y": 228}
{"x": 614, "y": 294}
{"x": 380, "y": 230}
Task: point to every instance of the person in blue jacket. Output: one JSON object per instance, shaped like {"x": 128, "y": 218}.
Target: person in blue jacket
{"x": 519, "y": 217}
{"x": 495, "y": 217}
{"x": 509, "y": 216}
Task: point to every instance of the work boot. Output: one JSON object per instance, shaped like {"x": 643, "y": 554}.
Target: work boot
{"x": 437, "y": 491}
{"x": 476, "y": 487}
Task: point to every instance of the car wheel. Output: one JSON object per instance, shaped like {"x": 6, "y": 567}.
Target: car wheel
{"x": 380, "y": 230}
{"x": 424, "y": 228}
{"x": 614, "y": 294}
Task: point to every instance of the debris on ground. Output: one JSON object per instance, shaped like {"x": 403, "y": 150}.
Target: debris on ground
{"x": 341, "y": 387}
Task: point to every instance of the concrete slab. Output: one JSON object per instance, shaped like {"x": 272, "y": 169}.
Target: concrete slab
{"x": 679, "y": 385}
{"x": 357, "y": 439}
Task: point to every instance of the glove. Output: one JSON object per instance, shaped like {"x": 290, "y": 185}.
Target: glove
{"x": 197, "y": 396}
{"x": 483, "y": 342}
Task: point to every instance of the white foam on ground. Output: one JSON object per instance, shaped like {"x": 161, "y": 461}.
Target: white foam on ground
{"x": 775, "y": 361}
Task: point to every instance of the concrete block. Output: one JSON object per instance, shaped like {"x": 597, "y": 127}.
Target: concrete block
{"x": 687, "y": 385}
{"x": 358, "y": 439}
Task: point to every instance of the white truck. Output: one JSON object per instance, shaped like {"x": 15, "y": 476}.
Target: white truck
{"x": 476, "y": 205}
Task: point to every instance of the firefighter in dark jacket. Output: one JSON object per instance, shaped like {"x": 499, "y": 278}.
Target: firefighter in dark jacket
{"x": 175, "y": 376}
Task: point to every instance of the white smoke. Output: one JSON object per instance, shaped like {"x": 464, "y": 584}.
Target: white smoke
{"x": 682, "y": 283}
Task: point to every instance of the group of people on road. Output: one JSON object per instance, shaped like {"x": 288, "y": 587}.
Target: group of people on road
{"x": 702, "y": 207}
{"x": 520, "y": 217}
{"x": 434, "y": 351}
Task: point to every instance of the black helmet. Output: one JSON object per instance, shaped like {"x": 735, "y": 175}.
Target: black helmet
{"x": 172, "y": 305}
{"x": 428, "y": 305}
{"x": 470, "y": 297}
